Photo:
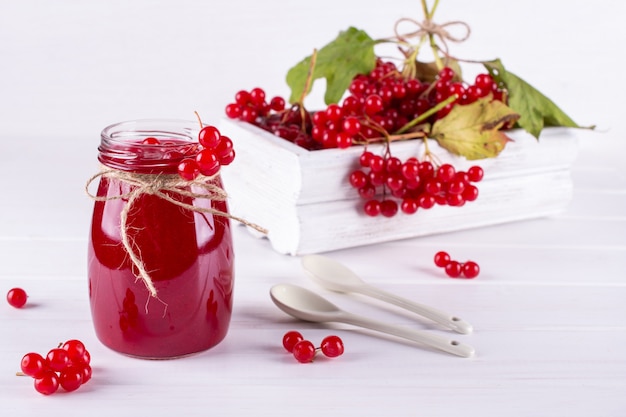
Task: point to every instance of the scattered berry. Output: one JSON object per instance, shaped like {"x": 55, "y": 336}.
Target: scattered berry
{"x": 57, "y": 359}
{"x": 304, "y": 351}
{"x": 87, "y": 372}
{"x": 332, "y": 346}
{"x": 71, "y": 378}
{"x": 291, "y": 338}
{"x": 76, "y": 351}
{"x": 471, "y": 269}
{"x": 47, "y": 383}
{"x": 66, "y": 366}
{"x": 455, "y": 269}
{"x": 17, "y": 297}
{"x": 33, "y": 364}
{"x": 442, "y": 259}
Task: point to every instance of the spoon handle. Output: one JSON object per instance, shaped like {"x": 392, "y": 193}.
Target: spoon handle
{"x": 449, "y": 321}
{"x": 433, "y": 340}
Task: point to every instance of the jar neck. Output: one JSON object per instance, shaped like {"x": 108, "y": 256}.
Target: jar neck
{"x": 121, "y": 145}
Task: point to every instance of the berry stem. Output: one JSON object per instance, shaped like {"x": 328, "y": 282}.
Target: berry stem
{"x": 435, "y": 49}
{"x": 431, "y": 37}
{"x": 394, "y": 138}
{"x": 432, "y": 10}
{"x": 426, "y": 114}
{"x": 429, "y": 155}
{"x": 307, "y": 87}
{"x": 199, "y": 119}
{"x": 309, "y": 76}
{"x": 425, "y": 9}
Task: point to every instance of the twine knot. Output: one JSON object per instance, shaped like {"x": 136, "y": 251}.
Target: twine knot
{"x": 429, "y": 28}
{"x": 165, "y": 187}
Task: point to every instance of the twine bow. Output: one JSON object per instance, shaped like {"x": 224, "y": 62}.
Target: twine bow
{"x": 429, "y": 28}
{"x": 162, "y": 186}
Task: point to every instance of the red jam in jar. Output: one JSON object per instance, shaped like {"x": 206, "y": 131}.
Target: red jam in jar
{"x": 188, "y": 254}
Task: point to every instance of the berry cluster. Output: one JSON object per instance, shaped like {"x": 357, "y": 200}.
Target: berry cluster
{"x": 292, "y": 124}
{"x": 304, "y": 351}
{"x": 250, "y": 105}
{"x": 67, "y": 366}
{"x": 215, "y": 151}
{"x": 17, "y": 297}
{"x": 455, "y": 269}
{"x": 379, "y": 105}
{"x": 415, "y": 184}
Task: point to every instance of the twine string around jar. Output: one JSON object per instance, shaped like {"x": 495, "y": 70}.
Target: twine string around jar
{"x": 162, "y": 186}
{"x": 428, "y": 27}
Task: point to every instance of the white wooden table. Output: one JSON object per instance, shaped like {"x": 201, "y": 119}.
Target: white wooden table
{"x": 548, "y": 308}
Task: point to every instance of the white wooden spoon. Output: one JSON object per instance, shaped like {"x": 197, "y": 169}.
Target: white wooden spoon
{"x": 334, "y": 276}
{"x": 307, "y": 305}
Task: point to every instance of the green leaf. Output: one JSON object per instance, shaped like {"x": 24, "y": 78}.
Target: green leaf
{"x": 535, "y": 109}
{"x": 351, "y": 53}
{"x": 473, "y": 130}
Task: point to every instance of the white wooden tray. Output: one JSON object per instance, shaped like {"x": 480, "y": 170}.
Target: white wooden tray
{"x": 305, "y": 201}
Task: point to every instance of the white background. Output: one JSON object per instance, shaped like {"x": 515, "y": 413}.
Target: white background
{"x": 548, "y": 306}
{"x": 74, "y": 67}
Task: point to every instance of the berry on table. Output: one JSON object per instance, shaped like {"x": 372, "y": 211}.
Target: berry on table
{"x": 470, "y": 269}
{"x": 17, "y": 297}
{"x": 76, "y": 351}
{"x": 66, "y": 366}
{"x": 87, "y": 372}
{"x": 291, "y": 338}
{"x": 33, "y": 364}
{"x": 332, "y": 346}
{"x": 304, "y": 351}
{"x": 455, "y": 269}
{"x": 71, "y": 378}
{"x": 442, "y": 259}
{"x": 47, "y": 383}
{"x": 57, "y": 359}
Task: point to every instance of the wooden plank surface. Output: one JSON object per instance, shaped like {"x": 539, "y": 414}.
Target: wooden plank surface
{"x": 547, "y": 308}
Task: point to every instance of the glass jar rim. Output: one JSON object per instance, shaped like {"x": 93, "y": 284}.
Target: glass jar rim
{"x": 121, "y": 145}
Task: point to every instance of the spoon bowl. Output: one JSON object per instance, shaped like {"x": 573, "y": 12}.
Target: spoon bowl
{"x": 302, "y": 303}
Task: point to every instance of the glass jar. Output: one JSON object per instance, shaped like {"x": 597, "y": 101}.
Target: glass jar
{"x": 186, "y": 249}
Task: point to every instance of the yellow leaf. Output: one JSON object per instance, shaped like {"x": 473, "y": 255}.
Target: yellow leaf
{"x": 474, "y": 130}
